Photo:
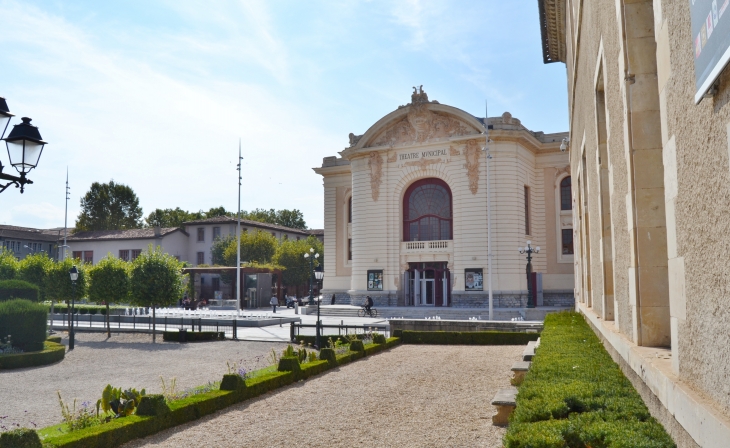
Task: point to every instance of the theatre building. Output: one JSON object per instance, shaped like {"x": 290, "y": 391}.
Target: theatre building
{"x": 406, "y": 211}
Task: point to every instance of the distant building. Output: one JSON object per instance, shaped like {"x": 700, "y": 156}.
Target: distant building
{"x": 91, "y": 246}
{"x": 24, "y": 241}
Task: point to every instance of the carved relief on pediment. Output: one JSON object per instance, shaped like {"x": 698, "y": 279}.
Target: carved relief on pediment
{"x": 375, "y": 164}
{"x": 421, "y": 125}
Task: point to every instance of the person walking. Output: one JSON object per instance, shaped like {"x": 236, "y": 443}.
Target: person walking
{"x": 274, "y": 301}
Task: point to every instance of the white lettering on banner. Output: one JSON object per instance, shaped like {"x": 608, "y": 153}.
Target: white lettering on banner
{"x": 423, "y": 154}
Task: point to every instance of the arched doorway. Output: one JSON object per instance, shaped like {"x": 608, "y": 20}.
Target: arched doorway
{"x": 427, "y": 216}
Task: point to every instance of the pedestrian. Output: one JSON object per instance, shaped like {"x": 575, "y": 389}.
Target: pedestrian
{"x": 274, "y": 301}
{"x": 333, "y": 299}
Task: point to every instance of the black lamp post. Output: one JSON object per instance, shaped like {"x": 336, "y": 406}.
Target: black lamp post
{"x": 74, "y": 273}
{"x": 320, "y": 275}
{"x": 311, "y": 256}
{"x": 24, "y": 145}
{"x": 529, "y": 251}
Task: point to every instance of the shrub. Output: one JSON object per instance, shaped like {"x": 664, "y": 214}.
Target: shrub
{"x": 20, "y": 438}
{"x": 379, "y": 339}
{"x": 18, "y": 289}
{"x": 467, "y": 337}
{"x": 152, "y": 405}
{"x": 232, "y": 381}
{"x": 25, "y": 322}
{"x": 56, "y": 339}
{"x": 289, "y": 364}
{"x": 52, "y": 352}
{"x": 328, "y": 354}
{"x": 575, "y": 395}
{"x": 357, "y": 346}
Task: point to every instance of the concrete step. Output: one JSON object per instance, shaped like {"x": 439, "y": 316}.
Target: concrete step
{"x": 421, "y": 313}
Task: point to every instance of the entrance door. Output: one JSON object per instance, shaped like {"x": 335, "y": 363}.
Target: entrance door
{"x": 427, "y": 284}
{"x": 428, "y": 289}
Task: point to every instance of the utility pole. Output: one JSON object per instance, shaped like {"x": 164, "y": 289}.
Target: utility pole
{"x": 238, "y": 237}
{"x": 489, "y": 212}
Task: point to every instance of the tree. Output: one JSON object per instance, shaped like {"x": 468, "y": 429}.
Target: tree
{"x": 8, "y": 264}
{"x": 58, "y": 282}
{"x": 109, "y": 206}
{"x": 290, "y": 218}
{"x": 218, "y": 211}
{"x": 156, "y": 280}
{"x": 256, "y": 246}
{"x": 109, "y": 283}
{"x": 218, "y": 249}
{"x": 290, "y": 255}
{"x": 171, "y": 217}
{"x": 34, "y": 269}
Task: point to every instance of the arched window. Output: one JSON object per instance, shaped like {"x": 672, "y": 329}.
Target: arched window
{"x": 427, "y": 211}
{"x": 349, "y": 210}
{"x": 566, "y": 198}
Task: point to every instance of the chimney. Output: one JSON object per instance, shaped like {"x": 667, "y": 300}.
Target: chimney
{"x": 158, "y": 231}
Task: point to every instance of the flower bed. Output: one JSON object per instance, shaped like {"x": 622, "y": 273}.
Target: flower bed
{"x": 468, "y": 337}
{"x": 575, "y": 395}
{"x": 121, "y": 430}
{"x": 52, "y": 352}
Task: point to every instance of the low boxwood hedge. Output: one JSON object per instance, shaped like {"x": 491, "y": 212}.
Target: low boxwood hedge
{"x": 193, "y": 336}
{"x": 122, "y": 430}
{"x": 468, "y": 337}
{"x": 62, "y": 308}
{"x": 575, "y": 395}
{"x": 18, "y": 289}
{"x": 52, "y": 352}
{"x": 25, "y": 322}
{"x": 311, "y": 340}
{"x": 20, "y": 438}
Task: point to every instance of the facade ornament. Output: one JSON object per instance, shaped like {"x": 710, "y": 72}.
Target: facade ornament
{"x": 354, "y": 139}
{"x": 392, "y": 157}
{"x": 472, "y": 153}
{"x": 375, "y": 163}
{"x": 453, "y": 151}
{"x": 559, "y": 172}
{"x": 423, "y": 164}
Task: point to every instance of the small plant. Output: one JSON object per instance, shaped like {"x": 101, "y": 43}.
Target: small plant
{"x": 169, "y": 393}
{"x": 75, "y": 419}
{"x": 312, "y": 356}
{"x": 273, "y": 358}
{"x": 121, "y": 403}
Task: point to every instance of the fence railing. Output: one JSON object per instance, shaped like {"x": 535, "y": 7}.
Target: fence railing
{"x": 342, "y": 330}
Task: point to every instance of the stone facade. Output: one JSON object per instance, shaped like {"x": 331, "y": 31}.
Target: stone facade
{"x": 650, "y": 170}
{"x": 442, "y": 147}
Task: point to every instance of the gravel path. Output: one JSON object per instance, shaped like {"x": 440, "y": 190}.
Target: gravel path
{"x": 125, "y": 360}
{"x": 410, "y": 396}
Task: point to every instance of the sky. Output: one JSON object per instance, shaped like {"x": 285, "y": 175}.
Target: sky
{"x": 156, "y": 94}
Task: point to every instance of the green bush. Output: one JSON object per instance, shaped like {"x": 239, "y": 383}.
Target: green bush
{"x": 18, "y": 289}
{"x": 575, "y": 395}
{"x": 311, "y": 340}
{"x": 20, "y": 438}
{"x": 52, "y": 352}
{"x": 25, "y": 322}
{"x": 154, "y": 405}
{"x": 328, "y": 354}
{"x": 194, "y": 336}
{"x": 467, "y": 337}
{"x": 56, "y": 339}
{"x": 232, "y": 381}
{"x": 397, "y": 333}
{"x": 379, "y": 338}
{"x": 357, "y": 346}
{"x": 289, "y": 364}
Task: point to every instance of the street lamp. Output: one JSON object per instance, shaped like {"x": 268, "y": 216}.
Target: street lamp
{"x": 319, "y": 275}
{"x": 311, "y": 256}
{"x": 529, "y": 250}
{"x": 25, "y": 146}
{"x": 74, "y": 273}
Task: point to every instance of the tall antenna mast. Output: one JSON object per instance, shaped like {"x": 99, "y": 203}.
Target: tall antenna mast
{"x": 489, "y": 212}
{"x": 65, "y": 219}
{"x": 238, "y": 236}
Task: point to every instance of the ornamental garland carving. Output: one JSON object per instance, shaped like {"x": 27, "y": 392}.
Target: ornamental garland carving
{"x": 375, "y": 163}
{"x": 472, "y": 152}
{"x": 423, "y": 164}
{"x": 453, "y": 151}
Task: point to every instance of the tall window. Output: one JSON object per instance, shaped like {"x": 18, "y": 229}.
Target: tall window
{"x": 527, "y": 210}
{"x": 349, "y": 210}
{"x": 567, "y": 241}
{"x": 201, "y": 233}
{"x": 427, "y": 211}
{"x": 201, "y": 258}
{"x": 566, "y": 201}
{"x": 136, "y": 253}
{"x": 77, "y": 255}
{"x": 349, "y": 249}
{"x": 124, "y": 255}
{"x": 216, "y": 233}
{"x": 89, "y": 256}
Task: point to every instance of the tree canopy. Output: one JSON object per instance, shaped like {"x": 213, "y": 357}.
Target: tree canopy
{"x": 110, "y": 206}
{"x": 169, "y": 217}
{"x": 34, "y": 269}
{"x": 289, "y": 218}
{"x": 109, "y": 280}
{"x": 58, "y": 281}
{"x": 256, "y": 247}
{"x": 290, "y": 256}
{"x": 8, "y": 264}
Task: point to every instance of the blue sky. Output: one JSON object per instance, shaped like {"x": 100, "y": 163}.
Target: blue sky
{"x": 156, "y": 94}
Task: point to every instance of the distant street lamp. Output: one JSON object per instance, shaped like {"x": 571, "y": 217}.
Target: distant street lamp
{"x": 529, "y": 251}
{"x": 311, "y": 256}
{"x": 24, "y": 145}
{"x": 320, "y": 275}
{"x": 74, "y": 274}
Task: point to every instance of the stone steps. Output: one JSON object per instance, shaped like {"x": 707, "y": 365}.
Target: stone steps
{"x": 420, "y": 313}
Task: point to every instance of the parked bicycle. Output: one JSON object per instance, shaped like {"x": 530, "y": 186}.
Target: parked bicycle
{"x": 362, "y": 312}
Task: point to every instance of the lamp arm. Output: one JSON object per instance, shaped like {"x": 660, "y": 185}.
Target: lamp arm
{"x": 19, "y": 182}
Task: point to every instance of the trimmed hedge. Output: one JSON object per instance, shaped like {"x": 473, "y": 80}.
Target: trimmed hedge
{"x": 25, "y": 322}
{"x": 52, "y": 352}
{"x": 311, "y": 340}
{"x": 20, "y": 438}
{"x": 153, "y": 405}
{"x": 122, "y": 430}
{"x": 194, "y": 336}
{"x": 468, "y": 337}
{"x": 575, "y": 395}
{"x": 19, "y": 289}
{"x": 62, "y": 308}
{"x": 56, "y": 339}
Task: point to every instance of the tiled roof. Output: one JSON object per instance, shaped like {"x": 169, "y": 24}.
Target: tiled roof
{"x": 28, "y": 233}
{"x": 316, "y": 231}
{"x": 247, "y": 222}
{"x": 130, "y": 234}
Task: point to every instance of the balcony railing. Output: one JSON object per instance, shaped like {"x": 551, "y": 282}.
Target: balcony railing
{"x": 426, "y": 246}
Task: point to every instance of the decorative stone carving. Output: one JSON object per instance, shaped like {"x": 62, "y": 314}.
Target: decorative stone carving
{"x": 354, "y": 139}
{"x": 392, "y": 157}
{"x": 375, "y": 163}
{"x": 421, "y": 124}
{"x": 423, "y": 164}
{"x": 472, "y": 152}
{"x": 559, "y": 172}
{"x": 453, "y": 151}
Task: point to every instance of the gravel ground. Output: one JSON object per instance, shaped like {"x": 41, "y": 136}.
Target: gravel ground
{"x": 410, "y": 396}
{"x": 125, "y": 360}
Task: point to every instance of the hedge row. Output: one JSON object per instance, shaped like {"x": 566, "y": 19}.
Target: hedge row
{"x": 122, "y": 430}
{"x": 467, "y": 337}
{"x": 193, "y": 336}
{"x": 62, "y": 308}
{"x": 52, "y": 352}
{"x": 18, "y": 289}
{"x": 25, "y": 322}
{"x": 575, "y": 395}
{"x": 325, "y": 339}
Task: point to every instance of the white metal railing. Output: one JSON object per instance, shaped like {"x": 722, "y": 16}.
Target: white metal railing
{"x": 426, "y": 246}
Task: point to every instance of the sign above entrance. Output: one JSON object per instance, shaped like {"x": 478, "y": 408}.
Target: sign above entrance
{"x": 421, "y": 154}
